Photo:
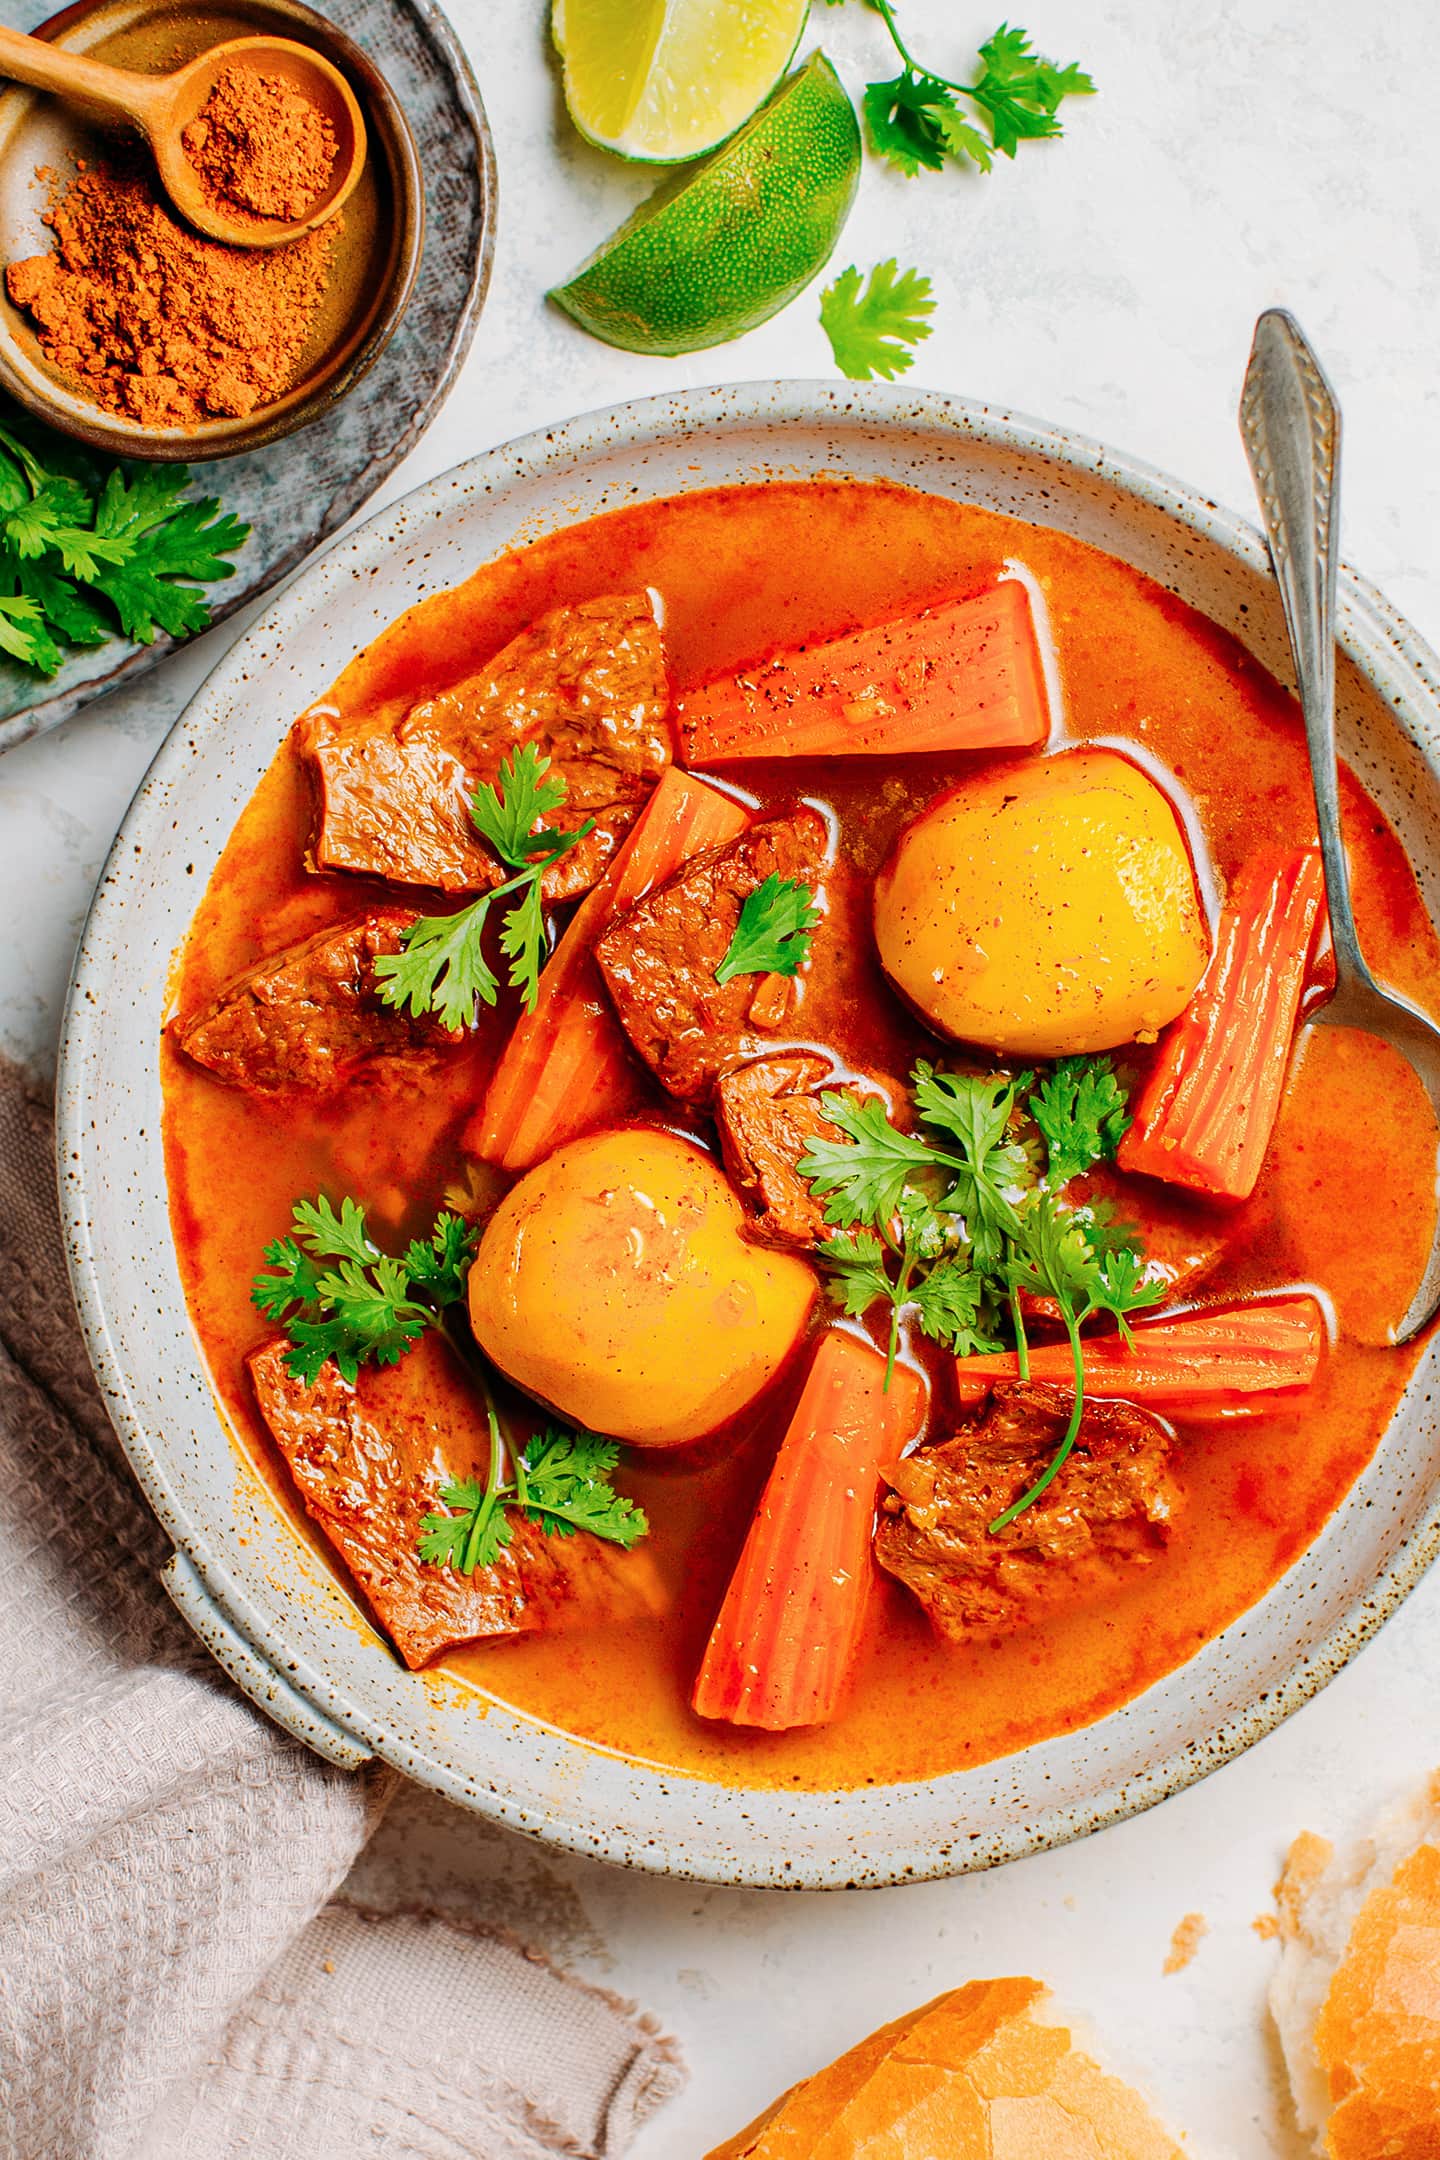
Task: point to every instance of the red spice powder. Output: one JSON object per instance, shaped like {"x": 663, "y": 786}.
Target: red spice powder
{"x": 155, "y": 323}
{"x": 259, "y": 145}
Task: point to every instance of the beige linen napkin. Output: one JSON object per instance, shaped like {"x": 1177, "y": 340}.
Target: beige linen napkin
{"x": 173, "y": 1976}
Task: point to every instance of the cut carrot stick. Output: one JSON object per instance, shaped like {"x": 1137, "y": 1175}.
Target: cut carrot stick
{"x": 782, "y": 1648}
{"x": 965, "y": 676}
{"x": 1204, "y": 1365}
{"x": 1210, "y": 1104}
{"x": 567, "y": 1066}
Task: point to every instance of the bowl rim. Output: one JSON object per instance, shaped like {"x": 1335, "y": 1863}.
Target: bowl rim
{"x": 1370, "y": 632}
{"x": 44, "y": 394}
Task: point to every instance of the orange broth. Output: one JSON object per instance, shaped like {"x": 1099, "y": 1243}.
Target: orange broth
{"x": 744, "y": 571}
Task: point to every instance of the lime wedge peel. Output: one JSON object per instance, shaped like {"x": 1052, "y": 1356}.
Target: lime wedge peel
{"x": 661, "y": 81}
{"x": 717, "y": 251}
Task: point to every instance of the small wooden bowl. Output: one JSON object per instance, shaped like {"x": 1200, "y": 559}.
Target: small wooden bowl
{"x": 373, "y": 268}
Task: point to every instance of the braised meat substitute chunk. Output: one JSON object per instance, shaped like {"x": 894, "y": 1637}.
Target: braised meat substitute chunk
{"x": 369, "y": 1461}
{"x": 769, "y": 1115}
{"x": 659, "y": 958}
{"x": 1109, "y": 1509}
{"x": 586, "y": 684}
{"x": 307, "y": 1016}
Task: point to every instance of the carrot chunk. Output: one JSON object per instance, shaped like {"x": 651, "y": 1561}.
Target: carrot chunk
{"x": 567, "y": 1066}
{"x": 1210, "y": 1104}
{"x": 1206, "y": 1364}
{"x": 785, "y": 1640}
{"x": 964, "y": 676}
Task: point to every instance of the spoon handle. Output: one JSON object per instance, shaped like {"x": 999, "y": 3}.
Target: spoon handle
{"x": 110, "y": 93}
{"x": 1291, "y": 426}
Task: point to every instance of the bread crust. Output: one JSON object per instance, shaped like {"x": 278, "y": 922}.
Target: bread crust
{"x": 977, "y": 2074}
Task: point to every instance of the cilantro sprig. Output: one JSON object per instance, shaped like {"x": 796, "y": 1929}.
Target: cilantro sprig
{"x": 958, "y": 1220}
{"x": 915, "y": 120}
{"x": 560, "y": 1479}
{"x": 873, "y": 324}
{"x": 86, "y": 550}
{"x": 338, "y": 1295}
{"x": 443, "y": 968}
{"x": 772, "y": 937}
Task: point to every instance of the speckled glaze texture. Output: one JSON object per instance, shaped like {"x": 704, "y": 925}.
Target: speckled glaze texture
{"x": 264, "y": 1604}
{"x": 295, "y": 494}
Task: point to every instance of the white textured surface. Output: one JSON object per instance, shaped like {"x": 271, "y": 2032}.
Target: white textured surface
{"x": 1239, "y": 155}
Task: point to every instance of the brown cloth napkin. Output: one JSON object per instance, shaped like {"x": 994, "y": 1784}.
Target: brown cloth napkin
{"x": 174, "y": 1976}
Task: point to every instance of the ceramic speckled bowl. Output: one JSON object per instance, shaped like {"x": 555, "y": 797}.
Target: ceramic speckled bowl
{"x": 267, "y": 1608}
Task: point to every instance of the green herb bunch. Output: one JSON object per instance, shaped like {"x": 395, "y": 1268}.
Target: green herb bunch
{"x": 560, "y": 1479}
{"x": 90, "y": 547}
{"x": 958, "y": 1220}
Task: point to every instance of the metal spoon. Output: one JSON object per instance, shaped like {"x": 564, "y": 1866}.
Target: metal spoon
{"x": 162, "y": 107}
{"x": 1291, "y": 426}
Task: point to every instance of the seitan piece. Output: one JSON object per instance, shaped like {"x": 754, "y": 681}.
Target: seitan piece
{"x": 369, "y": 1461}
{"x": 586, "y": 684}
{"x": 306, "y": 1017}
{"x": 1109, "y": 1510}
{"x": 769, "y": 1115}
{"x": 659, "y": 958}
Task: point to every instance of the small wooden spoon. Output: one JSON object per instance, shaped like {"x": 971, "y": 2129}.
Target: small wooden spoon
{"x": 162, "y": 107}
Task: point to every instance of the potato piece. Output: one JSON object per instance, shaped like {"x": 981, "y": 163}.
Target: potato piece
{"x": 613, "y": 1282}
{"x": 1047, "y": 908}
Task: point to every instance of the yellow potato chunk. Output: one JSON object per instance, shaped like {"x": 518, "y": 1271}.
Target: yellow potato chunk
{"x": 1045, "y": 909}
{"x": 613, "y": 1283}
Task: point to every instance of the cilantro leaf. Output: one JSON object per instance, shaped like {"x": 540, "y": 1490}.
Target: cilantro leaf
{"x": 522, "y": 940}
{"x": 855, "y": 1260}
{"x": 507, "y": 812}
{"x": 439, "y": 1267}
{"x": 442, "y": 968}
{"x": 862, "y": 1176}
{"x": 563, "y": 1482}
{"x": 950, "y": 1301}
{"x": 906, "y": 120}
{"x": 1081, "y": 1110}
{"x": 871, "y": 330}
{"x": 23, "y": 633}
{"x": 560, "y": 1479}
{"x": 773, "y": 934}
{"x": 1021, "y": 92}
{"x": 366, "y": 1306}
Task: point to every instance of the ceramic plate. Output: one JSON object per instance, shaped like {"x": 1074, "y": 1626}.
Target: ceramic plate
{"x": 264, "y": 1603}
{"x": 297, "y": 492}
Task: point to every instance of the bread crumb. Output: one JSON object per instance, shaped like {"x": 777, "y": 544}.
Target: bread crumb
{"x": 327, "y": 1965}
{"x": 1185, "y": 1941}
{"x": 1305, "y": 1862}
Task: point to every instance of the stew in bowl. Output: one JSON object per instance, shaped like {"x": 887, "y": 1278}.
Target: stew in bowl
{"x": 743, "y": 1146}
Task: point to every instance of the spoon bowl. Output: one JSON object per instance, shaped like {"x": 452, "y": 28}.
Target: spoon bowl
{"x": 1291, "y": 425}
{"x": 179, "y": 99}
{"x": 161, "y": 107}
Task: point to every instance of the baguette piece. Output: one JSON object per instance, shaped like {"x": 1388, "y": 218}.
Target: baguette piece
{"x": 982, "y": 2073}
{"x": 1356, "y": 1998}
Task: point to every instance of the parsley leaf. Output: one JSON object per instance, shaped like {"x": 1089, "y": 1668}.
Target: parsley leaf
{"x": 856, "y": 1261}
{"x": 1081, "y": 1112}
{"x": 951, "y": 1303}
{"x": 560, "y": 1479}
{"x": 871, "y": 330}
{"x": 127, "y": 533}
{"x": 773, "y": 934}
{"x": 443, "y": 968}
{"x": 915, "y": 122}
{"x": 366, "y": 1306}
{"x": 863, "y": 1176}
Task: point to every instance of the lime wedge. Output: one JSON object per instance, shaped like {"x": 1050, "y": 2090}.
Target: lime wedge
{"x": 718, "y": 250}
{"x": 664, "y": 80}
